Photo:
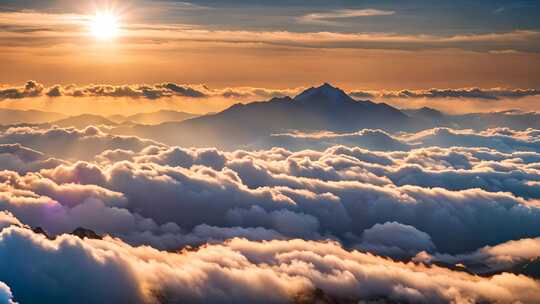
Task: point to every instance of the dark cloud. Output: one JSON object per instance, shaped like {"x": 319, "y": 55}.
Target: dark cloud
{"x": 168, "y": 90}
{"x": 30, "y": 89}
{"x": 139, "y": 91}
{"x": 134, "y": 91}
{"x": 183, "y": 91}
{"x": 472, "y": 93}
{"x": 55, "y": 91}
{"x": 157, "y": 91}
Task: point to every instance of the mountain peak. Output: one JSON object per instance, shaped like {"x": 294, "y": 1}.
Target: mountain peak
{"x": 325, "y": 93}
{"x": 326, "y": 85}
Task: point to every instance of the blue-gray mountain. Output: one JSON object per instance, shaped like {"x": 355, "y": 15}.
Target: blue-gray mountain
{"x": 321, "y": 108}
{"x": 324, "y": 108}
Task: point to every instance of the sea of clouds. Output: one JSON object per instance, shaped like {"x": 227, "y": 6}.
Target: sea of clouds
{"x": 439, "y": 216}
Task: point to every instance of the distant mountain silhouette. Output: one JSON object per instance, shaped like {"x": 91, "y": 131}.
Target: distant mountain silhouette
{"x": 430, "y": 116}
{"x": 82, "y": 121}
{"x": 425, "y": 112}
{"x": 513, "y": 119}
{"x": 320, "y": 108}
{"x": 508, "y": 119}
{"x": 12, "y": 117}
{"x": 153, "y": 118}
{"x": 323, "y": 108}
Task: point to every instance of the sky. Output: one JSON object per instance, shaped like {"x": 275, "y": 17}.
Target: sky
{"x": 275, "y": 47}
{"x": 276, "y": 44}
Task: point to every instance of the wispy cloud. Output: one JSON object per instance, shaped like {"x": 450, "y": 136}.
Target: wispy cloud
{"x": 329, "y": 18}
{"x": 49, "y": 29}
{"x": 499, "y": 10}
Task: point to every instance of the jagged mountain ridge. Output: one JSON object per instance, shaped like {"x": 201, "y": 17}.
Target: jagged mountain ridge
{"x": 12, "y": 117}
{"x": 319, "y": 108}
{"x": 84, "y": 120}
{"x": 153, "y": 118}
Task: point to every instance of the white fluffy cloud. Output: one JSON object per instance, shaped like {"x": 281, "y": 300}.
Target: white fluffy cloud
{"x": 69, "y": 142}
{"x": 491, "y": 259}
{"x": 21, "y": 159}
{"x": 500, "y": 139}
{"x": 158, "y": 195}
{"x": 238, "y": 271}
{"x": 320, "y": 204}
{"x": 6, "y": 297}
{"x": 473, "y": 200}
{"x": 395, "y": 239}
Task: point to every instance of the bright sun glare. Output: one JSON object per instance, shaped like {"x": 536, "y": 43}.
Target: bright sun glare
{"x": 105, "y": 25}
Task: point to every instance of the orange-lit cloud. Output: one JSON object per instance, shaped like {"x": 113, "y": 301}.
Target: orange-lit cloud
{"x": 36, "y": 44}
{"x": 328, "y": 18}
{"x": 104, "y": 99}
{"x": 18, "y": 26}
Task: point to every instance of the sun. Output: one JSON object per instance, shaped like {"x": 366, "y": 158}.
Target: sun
{"x": 105, "y": 25}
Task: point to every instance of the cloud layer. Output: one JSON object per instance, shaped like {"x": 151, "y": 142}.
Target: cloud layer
{"x": 168, "y": 90}
{"x": 298, "y": 217}
{"x": 237, "y": 271}
{"x": 465, "y": 93}
{"x": 137, "y": 91}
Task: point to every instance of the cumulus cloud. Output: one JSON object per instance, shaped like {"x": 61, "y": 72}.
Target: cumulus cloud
{"x": 336, "y": 193}
{"x": 70, "y": 142}
{"x": 139, "y": 91}
{"x": 60, "y": 208}
{"x": 30, "y": 89}
{"x": 430, "y": 198}
{"x": 199, "y": 91}
{"x": 237, "y": 271}
{"x": 6, "y": 297}
{"x": 260, "y": 189}
{"x": 179, "y": 157}
{"x": 35, "y": 272}
{"x": 156, "y": 91}
{"x": 370, "y": 139}
{"x": 395, "y": 239}
{"x": 490, "y": 259}
{"x": 21, "y": 159}
{"x": 450, "y": 168}
{"x": 465, "y": 93}
{"x": 500, "y": 139}
{"x": 326, "y": 206}
{"x": 7, "y": 220}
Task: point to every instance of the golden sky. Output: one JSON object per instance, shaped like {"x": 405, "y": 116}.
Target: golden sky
{"x": 373, "y": 48}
